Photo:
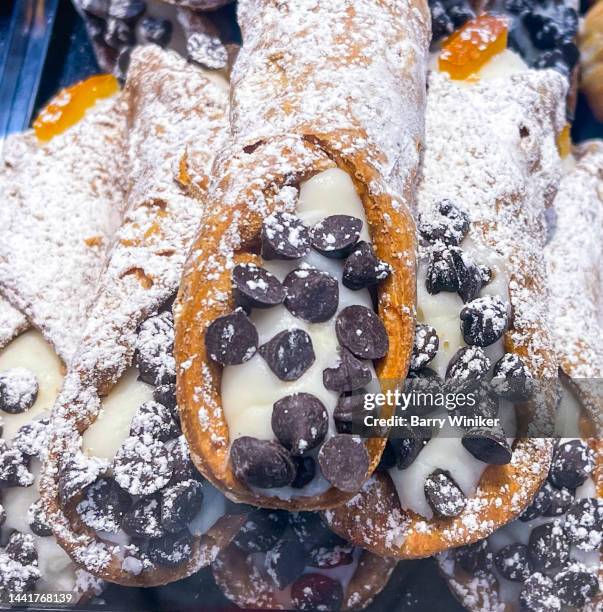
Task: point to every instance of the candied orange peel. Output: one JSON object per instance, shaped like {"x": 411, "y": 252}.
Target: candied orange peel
{"x": 71, "y": 103}
{"x": 469, "y": 48}
{"x": 564, "y": 141}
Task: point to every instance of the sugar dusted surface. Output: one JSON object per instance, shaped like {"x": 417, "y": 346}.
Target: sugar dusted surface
{"x": 12, "y": 322}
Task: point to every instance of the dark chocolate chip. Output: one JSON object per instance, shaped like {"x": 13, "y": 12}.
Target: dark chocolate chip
{"x": 285, "y": 562}
{"x": 471, "y": 282}
{"x": 129, "y": 10}
{"x": 422, "y": 387}
{"x": 181, "y": 461}
{"x": 31, "y": 438}
{"x": 300, "y": 422}
{"x": 77, "y": 473}
{"x": 425, "y": 346}
{"x": 486, "y": 274}
{"x": 305, "y": 470}
{"x": 539, "y": 505}
{"x": 37, "y": 520}
{"x": 144, "y": 518}
{"x": 572, "y": 464}
{"x": 549, "y": 546}
{"x": 119, "y": 34}
{"x": 488, "y": 445}
{"x": 388, "y": 458}
{"x": 466, "y": 369}
{"x": 166, "y": 395}
{"x": 538, "y": 594}
{"x": 104, "y": 505}
{"x": 142, "y": 466}
{"x": 155, "y": 350}
{"x": 443, "y": 494}
{"x": 261, "y": 463}
{"x": 335, "y": 236}
{"x": 561, "y": 500}
{"x": 122, "y": 64}
{"x": 21, "y": 548}
{"x": 180, "y": 504}
{"x": 155, "y": 420}
{"x": 407, "y": 445}
{"x": 484, "y": 320}
{"x": 513, "y": 562}
{"x": 450, "y": 269}
{"x": 98, "y": 8}
{"x": 348, "y": 411}
{"x": 476, "y": 559}
{"x": 316, "y": 592}
{"x": 14, "y": 470}
{"x": 486, "y": 407}
{"x": 312, "y": 295}
{"x": 584, "y": 523}
{"x": 171, "y": 550}
{"x": 312, "y": 531}
{"x": 344, "y": 462}
{"x": 206, "y": 50}
{"x": 231, "y": 339}
{"x": 361, "y": 331}
{"x": 18, "y": 390}
{"x": 363, "y": 268}
{"x": 328, "y": 557}
{"x": 155, "y": 30}
{"x": 261, "y": 531}
{"x": 511, "y": 378}
{"x": 255, "y": 287}
{"x": 284, "y": 236}
{"x": 289, "y": 354}
{"x": 576, "y": 585}
{"x": 349, "y": 375}
{"x": 447, "y": 223}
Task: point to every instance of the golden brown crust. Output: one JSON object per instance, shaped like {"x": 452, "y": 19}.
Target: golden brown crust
{"x": 590, "y": 43}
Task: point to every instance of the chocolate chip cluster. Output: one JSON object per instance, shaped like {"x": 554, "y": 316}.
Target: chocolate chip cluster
{"x": 483, "y": 321}
{"x": 288, "y": 544}
{"x": 549, "y": 564}
{"x": 300, "y": 421}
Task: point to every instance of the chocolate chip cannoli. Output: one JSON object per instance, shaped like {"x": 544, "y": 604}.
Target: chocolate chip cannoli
{"x": 118, "y": 486}
{"x": 276, "y": 325}
{"x": 457, "y": 468}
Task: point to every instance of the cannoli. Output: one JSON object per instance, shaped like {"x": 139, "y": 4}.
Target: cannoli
{"x": 292, "y": 561}
{"x": 310, "y": 215}
{"x": 62, "y": 200}
{"x": 591, "y": 59}
{"x": 118, "y": 486}
{"x": 490, "y": 167}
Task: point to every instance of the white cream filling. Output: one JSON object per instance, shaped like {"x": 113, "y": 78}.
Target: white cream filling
{"x": 249, "y": 390}
{"x": 445, "y": 451}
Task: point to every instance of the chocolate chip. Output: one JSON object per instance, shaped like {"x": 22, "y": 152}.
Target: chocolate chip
{"x": 255, "y": 287}
{"x": 425, "y": 346}
{"x": 144, "y": 518}
{"x": 284, "y": 236}
{"x": 155, "y": 350}
{"x": 183, "y": 468}
{"x": 171, "y": 550}
{"x": 443, "y": 494}
{"x": 540, "y": 503}
{"x": 36, "y": 518}
{"x": 166, "y": 395}
{"x": 388, "y": 458}
{"x": 511, "y": 378}
{"x": 348, "y": 411}
{"x": 447, "y": 223}
{"x": 119, "y": 34}
{"x": 261, "y": 463}
{"x": 471, "y": 283}
{"x": 21, "y": 548}
{"x": 286, "y": 561}
{"x": 484, "y": 320}
{"x": 513, "y": 562}
{"x": 312, "y": 295}
{"x": 31, "y": 438}
{"x": 18, "y": 390}
{"x": 450, "y": 269}
{"x": 328, "y": 557}
{"x": 155, "y": 420}
{"x": 98, "y": 8}
{"x": 300, "y": 422}
{"x": 77, "y": 473}
{"x": 14, "y": 469}
{"x": 336, "y": 235}
{"x": 231, "y": 339}
{"x": 316, "y": 592}
{"x": 476, "y": 558}
{"x": 572, "y": 464}
{"x": 561, "y": 500}
{"x": 129, "y": 10}
{"x": 142, "y": 466}
{"x": 361, "y": 331}
{"x": 156, "y": 31}
{"x": 363, "y": 268}
{"x": 538, "y": 594}
{"x": 261, "y": 531}
{"x": 104, "y": 505}
{"x": 305, "y": 470}
{"x": 349, "y": 375}
{"x": 576, "y": 585}
{"x": 488, "y": 446}
{"x": 584, "y": 523}
{"x": 549, "y": 546}
{"x": 289, "y": 354}
{"x": 312, "y": 531}
{"x": 422, "y": 387}
{"x": 486, "y": 407}
{"x": 466, "y": 369}
{"x": 407, "y": 445}
{"x": 180, "y": 504}
{"x": 344, "y": 462}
